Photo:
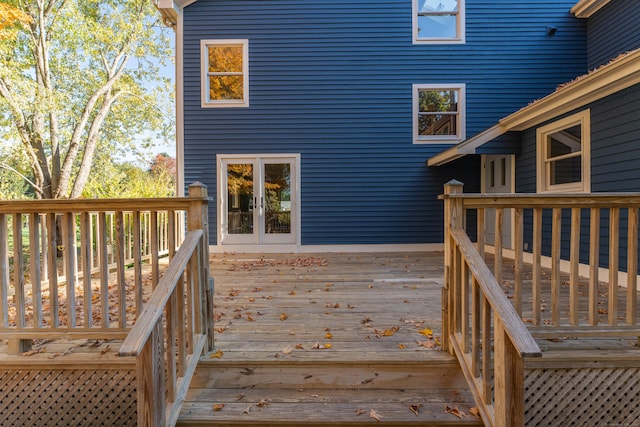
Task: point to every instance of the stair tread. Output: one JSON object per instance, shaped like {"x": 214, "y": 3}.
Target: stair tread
{"x": 328, "y": 406}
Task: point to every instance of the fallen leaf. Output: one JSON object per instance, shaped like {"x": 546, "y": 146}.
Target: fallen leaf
{"x": 287, "y": 350}
{"x": 105, "y": 350}
{"x": 328, "y": 335}
{"x": 263, "y": 403}
{"x": 427, "y": 332}
{"x": 218, "y": 407}
{"x": 401, "y": 346}
{"x": 426, "y": 344}
{"x": 475, "y": 412}
{"x": 415, "y": 408}
{"x": 32, "y": 352}
{"x": 246, "y": 410}
{"x": 292, "y": 293}
{"x": 299, "y": 347}
{"x": 373, "y": 414}
{"x": 359, "y": 412}
{"x": 240, "y": 396}
{"x": 454, "y": 411}
{"x": 284, "y": 316}
{"x": 217, "y": 355}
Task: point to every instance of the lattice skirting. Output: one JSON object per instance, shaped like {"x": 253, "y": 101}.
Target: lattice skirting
{"x": 582, "y": 397}
{"x": 67, "y": 397}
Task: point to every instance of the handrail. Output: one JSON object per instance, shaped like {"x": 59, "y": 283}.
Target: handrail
{"x": 520, "y": 336}
{"x": 154, "y": 308}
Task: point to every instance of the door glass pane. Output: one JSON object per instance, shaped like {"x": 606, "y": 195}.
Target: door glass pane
{"x": 240, "y": 198}
{"x": 277, "y": 193}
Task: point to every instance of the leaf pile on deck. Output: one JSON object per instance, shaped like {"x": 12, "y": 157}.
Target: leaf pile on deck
{"x": 308, "y": 262}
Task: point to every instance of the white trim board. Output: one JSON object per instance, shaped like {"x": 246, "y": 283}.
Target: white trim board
{"x": 275, "y": 249}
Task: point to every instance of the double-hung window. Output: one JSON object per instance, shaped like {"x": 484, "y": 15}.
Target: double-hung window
{"x": 564, "y": 155}
{"x": 225, "y": 73}
{"x": 438, "y": 21}
{"x": 438, "y": 113}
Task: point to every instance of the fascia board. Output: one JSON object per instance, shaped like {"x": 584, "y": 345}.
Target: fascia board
{"x": 586, "y": 8}
{"x": 608, "y": 80}
{"x": 467, "y": 147}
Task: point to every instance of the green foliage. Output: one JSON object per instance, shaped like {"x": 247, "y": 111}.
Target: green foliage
{"x": 125, "y": 180}
{"x": 80, "y": 81}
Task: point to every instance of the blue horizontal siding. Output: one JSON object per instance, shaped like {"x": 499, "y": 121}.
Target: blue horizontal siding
{"x": 332, "y": 80}
{"x": 615, "y": 156}
{"x": 613, "y": 30}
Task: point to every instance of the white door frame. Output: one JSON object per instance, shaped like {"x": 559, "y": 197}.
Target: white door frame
{"x": 258, "y": 237}
{"x": 510, "y": 185}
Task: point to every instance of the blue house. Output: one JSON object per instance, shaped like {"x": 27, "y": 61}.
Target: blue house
{"x": 313, "y": 122}
{"x": 584, "y": 137}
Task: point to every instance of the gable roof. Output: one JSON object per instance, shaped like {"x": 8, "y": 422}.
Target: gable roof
{"x": 620, "y": 73}
{"x": 171, "y": 9}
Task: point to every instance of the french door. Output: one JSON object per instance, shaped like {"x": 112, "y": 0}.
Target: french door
{"x": 258, "y": 199}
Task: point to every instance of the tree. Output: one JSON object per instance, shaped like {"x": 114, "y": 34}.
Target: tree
{"x": 11, "y": 20}
{"x": 80, "y": 80}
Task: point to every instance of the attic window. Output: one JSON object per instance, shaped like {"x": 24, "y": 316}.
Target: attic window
{"x": 225, "y": 73}
{"x": 438, "y": 21}
{"x": 563, "y": 155}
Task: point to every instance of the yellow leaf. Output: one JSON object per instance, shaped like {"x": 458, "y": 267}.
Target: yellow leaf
{"x": 284, "y": 316}
{"x": 328, "y": 335}
{"x": 401, "y": 346}
{"x": 217, "y": 355}
{"x": 426, "y": 332}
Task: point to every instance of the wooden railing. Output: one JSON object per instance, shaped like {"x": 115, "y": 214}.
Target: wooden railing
{"x": 73, "y": 269}
{"x": 480, "y": 326}
{"x": 582, "y": 241}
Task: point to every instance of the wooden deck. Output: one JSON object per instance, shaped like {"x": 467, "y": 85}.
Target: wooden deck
{"x": 320, "y": 339}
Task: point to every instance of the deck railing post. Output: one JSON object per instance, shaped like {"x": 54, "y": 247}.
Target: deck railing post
{"x": 453, "y": 218}
{"x": 198, "y": 218}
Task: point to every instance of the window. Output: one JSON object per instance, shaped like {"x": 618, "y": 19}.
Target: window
{"x": 438, "y": 112}
{"x": 564, "y": 155}
{"x": 225, "y": 73}
{"x": 438, "y": 21}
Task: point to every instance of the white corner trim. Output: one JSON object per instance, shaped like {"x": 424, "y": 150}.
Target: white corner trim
{"x": 586, "y": 8}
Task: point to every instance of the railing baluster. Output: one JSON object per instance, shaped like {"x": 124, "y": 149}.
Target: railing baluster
{"x": 120, "y": 266}
{"x": 537, "y": 255}
{"x": 487, "y": 350}
{"x": 556, "y": 228}
{"x": 69, "y": 257}
{"x": 476, "y": 328}
{"x": 518, "y": 244}
{"x": 4, "y": 271}
{"x": 85, "y": 248}
{"x": 594, "y": 264}
{"x": 497, "y": 244}
{"x": 464, "y": 295}
{"x": 481, "y": 235}
{"x": 171, "y": 321}
{"x": 35, "y": 268}
{"x": 632, "y": 265}
{"x": 155, "y": 273}
{"x": 104, "y": 269}
{"x": 52, "y": 250}
{"x": 574, "y": 258}
{"x": 137, "y": 262}
{"x": 181, "y": 325}
{"x": 18, "y": 272}
{"x": 614, "y": 230}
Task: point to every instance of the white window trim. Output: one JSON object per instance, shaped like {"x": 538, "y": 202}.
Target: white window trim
{"x": 204, "y": 81}
{"x": 583, "y": 119}
{"x": 460, "y": 27}
{"x": 461, "y": 122}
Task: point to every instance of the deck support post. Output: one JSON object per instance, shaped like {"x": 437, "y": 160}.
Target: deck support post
{"x": 198, "y": 219}
{"x": 453, "y": 218}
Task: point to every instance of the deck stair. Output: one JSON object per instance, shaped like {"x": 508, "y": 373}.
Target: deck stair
{"x": 312, "y": 341}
